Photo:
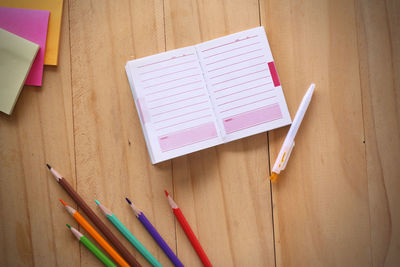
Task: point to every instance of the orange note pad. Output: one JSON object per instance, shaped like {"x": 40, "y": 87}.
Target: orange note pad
{"x": 54, "y": 28}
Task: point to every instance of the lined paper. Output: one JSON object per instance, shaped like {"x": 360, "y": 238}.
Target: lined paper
{"x": 237, "y": 70}
{"x": 173, "y": 99}
{"x": 201, "y": 96}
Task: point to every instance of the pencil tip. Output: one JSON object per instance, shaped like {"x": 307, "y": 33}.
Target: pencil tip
{"x": 166, "y": 193}
{"x": 127, "y": 199}
{"x": 69, "y": 226}
{"x": 48, "y": 166}
{"x": 97, "y": 202}
{"x": 62, "y": 201}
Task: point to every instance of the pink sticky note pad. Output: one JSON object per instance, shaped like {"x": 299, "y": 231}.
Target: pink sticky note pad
{"x": 31, "y": 25}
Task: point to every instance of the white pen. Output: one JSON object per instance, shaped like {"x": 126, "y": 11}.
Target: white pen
{"x": 288, "y": 144}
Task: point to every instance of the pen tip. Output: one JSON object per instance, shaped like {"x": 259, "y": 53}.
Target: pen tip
{"x": 69, "y": 226}
{"x": 127, "y": 199}
{"x": 97, "y": 202}
{"x": 166, "y": 193}
{"x": 62, "y": 201}
{"x": 48, "y": 166}
{"x": 273, "y": 177}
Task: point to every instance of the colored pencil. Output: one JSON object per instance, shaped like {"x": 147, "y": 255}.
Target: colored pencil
{"x": 188, "y": 231}
{"x": 99, "y": 239}
{"x": 128, "y": 235}
{"x": 156, "y": 236}
{"x": 91, "y": 247}
{"x": 94, "y": 218}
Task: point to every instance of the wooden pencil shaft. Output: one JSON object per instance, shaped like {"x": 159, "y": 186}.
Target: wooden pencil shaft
{"x": 100, "y": 225}
{"x": 192, "y": 237}
{"x": 188, "y": 231}
{"x": 159, "y": 240}
{"x": 99, "y": 239}
{"x": 97, "y": 252}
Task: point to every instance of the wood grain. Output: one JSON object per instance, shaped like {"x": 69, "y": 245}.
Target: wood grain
{"x": 321, "y": 203}
{"x": 39, "y": 131}
{"x": 337, "y": 202}
{"x": 222, "y": 191}
{"x": 379, "y": 30}
{"x": 111, "y": 158}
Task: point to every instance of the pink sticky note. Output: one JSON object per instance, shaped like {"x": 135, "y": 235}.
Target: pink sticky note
{"x": 31, "y": 25}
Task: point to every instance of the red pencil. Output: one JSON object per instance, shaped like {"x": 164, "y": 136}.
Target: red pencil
{"x": 188, "y": 231}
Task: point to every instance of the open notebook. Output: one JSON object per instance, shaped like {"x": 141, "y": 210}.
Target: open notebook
{"x": 201, "y": 96}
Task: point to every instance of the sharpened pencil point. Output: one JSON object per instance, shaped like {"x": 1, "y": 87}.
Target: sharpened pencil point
{"x": 48, "y": 166}
{"x": 166, "y": 193}
{"x": 62, "y": 201}
{"x": 127, "y": 199}
{"x": 97, "y": 202}
{"x": 69, "y": 226}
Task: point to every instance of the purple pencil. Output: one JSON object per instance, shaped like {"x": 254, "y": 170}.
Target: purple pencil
{"x": 156, "y": 236}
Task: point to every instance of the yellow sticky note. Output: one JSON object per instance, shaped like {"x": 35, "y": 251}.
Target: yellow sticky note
{"x": 54, "y": 29}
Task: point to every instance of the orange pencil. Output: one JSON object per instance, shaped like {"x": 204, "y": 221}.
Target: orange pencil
{"x": 99, "y": 239}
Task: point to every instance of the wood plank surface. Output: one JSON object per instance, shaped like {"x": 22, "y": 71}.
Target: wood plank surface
{"x": 337, "y": 202}
{"x": 33, "y": 231}
{"x": 111, "y": 157}
{"x": 379, "y": 49}
{"x": 222, "y": 191}
{"x": 321, "y": 202}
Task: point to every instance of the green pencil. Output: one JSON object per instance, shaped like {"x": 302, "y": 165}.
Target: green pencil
{"x": 128, "y": 235}
{"x": 90, "y": 246}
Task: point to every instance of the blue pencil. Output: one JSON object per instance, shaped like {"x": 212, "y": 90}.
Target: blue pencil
{"x": 156, "y": 236}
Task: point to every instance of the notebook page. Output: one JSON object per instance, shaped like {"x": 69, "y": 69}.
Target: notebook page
{"x": 173, "y": 103}
{"x": 243, "y": 84}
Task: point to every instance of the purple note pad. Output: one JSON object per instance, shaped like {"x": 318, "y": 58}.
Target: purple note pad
{"x": 31, "y": 25}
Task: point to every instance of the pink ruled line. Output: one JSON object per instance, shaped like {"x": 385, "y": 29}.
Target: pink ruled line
{"x": 165, "y": 60}
{"x": 169, "y": 66}
{"x": 164, "y": 90}
{"x": 235, "y": 63}
{"x": 237, "y": 40}
{"x": 191, "y": 105}
{"x": 181, "y": 115}
{"x": 209, "y": 115}
{"x": 237, "y": 70}
{"x": 177, "y": 101}
{"x": 240, "y": 84}
{"x": 247, "y": 104}
{"x": 259, "y": 93}
{"x": 240, "y": 77}
{"x": 231, "y": 50}
{"x": 245, "y": 53}
{"x": 177, "y": 79}
{"x": 153, "y": 100}
{"x": 168, "y": 74}
{"x": 258, "y": 86}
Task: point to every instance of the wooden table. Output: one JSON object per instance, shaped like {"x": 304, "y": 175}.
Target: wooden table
{"x": 337, "y": 204}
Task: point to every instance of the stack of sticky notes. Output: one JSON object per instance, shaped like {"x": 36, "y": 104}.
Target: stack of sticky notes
{"x": 54, "y": 28}
{"x": 29, "y": 39}
{"x": 16, "y": 57}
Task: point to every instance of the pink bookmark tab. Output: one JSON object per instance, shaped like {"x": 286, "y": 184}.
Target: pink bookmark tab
{"x": 274, "y": 74}
{"x": 142, "y": 109}
{"x": 188, "y": 136}
{"x": 252, "y": 118}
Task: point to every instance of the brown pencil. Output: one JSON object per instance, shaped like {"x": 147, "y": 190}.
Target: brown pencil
{"x": 93, "y": 217}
